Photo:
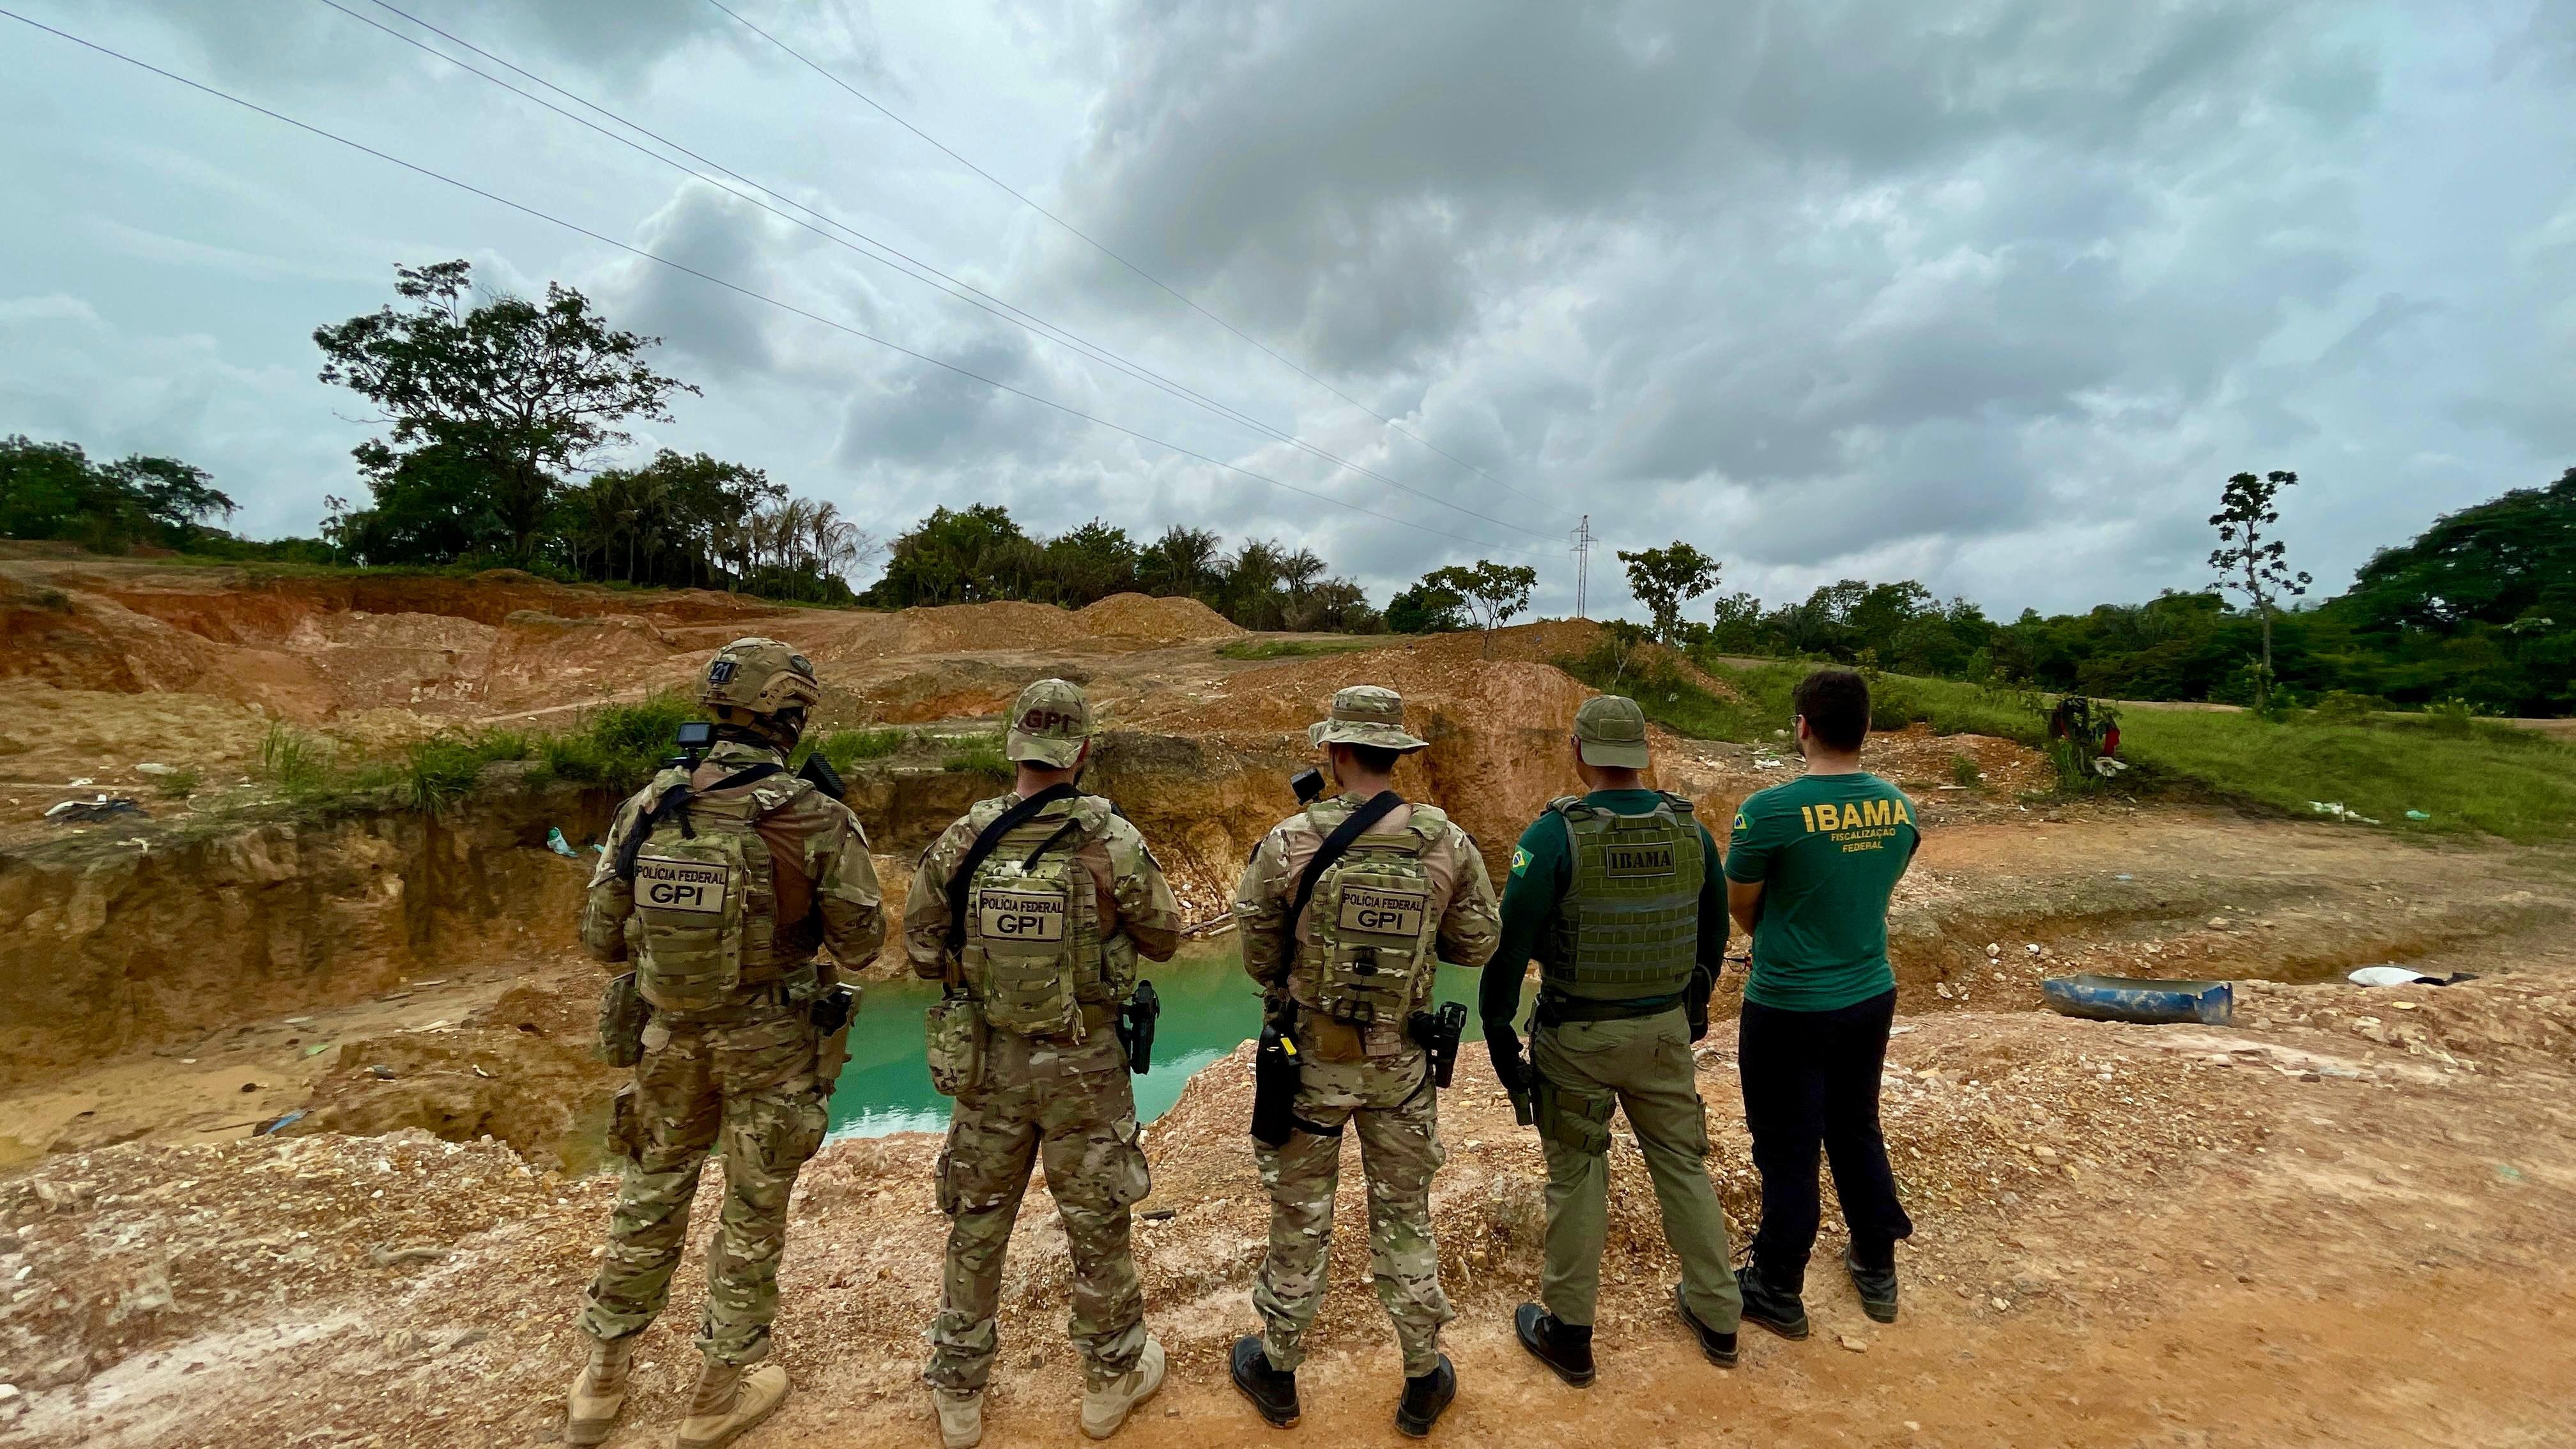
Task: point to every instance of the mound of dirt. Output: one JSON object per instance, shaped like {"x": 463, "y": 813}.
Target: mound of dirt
{"x": 520, "y": 1071}
{"x": 1146, "y": 619}
{"x": 964, "y": 628}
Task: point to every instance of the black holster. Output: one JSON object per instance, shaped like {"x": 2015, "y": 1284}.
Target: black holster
{"x": 1136, "y": 1027}
{"x": 1438, "y": 1035}
{"x": 1274, "y": 1086}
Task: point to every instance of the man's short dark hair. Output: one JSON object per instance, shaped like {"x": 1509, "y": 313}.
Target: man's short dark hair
{"x": 1376, "y": 759}
{"x": 1835, "y": 704}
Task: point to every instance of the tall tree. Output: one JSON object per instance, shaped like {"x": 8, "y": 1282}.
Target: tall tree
{"x": 2250, "y": 561}
{"x": 1495, "y": 591}
{"x": 1664, "y": 579}
{"x": 1182, "y": 561}
{"x": 526, "y": 391}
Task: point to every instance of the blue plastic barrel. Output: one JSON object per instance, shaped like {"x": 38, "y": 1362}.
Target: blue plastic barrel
{"x": 2130, "y": 998}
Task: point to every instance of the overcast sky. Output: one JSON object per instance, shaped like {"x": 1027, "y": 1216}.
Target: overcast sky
{"x": 1989, "y": 294}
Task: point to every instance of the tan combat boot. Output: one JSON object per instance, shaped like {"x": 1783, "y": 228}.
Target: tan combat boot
{"x": 591, "y": 1410}
{"x": 961, "y": 1417}
{"x": 1105, "y": 1408}
{"x": 729, "y": 1400}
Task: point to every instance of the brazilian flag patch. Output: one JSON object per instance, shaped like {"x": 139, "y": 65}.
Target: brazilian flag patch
{"x": 1520, "y": 861}
{"x": 1740, "y": 825}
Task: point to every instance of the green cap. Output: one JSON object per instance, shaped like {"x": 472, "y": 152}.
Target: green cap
{"x": 1611, "y": 732}
{"x": 1049, "y": 724}
{"x": 1365, "y": 714}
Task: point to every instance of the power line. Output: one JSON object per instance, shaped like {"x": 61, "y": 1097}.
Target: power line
{"x": 1104, "y": 250}
{"x": 605, "y": 240}
{"x": 901, "y": 262}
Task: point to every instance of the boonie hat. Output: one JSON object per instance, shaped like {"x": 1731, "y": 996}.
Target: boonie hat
{"x": 1365, "y": 714}
{"x": 1610, "y": 731}
{"x": 1049, "y": 724}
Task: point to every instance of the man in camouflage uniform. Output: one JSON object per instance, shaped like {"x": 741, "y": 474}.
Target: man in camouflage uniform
{"x": 1050, "y": 1084}
{"x": 1371, "y": 1073}
{"x": 720, "y": 881}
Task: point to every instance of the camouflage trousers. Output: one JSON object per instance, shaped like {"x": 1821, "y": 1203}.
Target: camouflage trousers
{"x": 1071, "y": 1107}
{"x": 1392, "y": 1102}
{"x": 750, "y": 1087}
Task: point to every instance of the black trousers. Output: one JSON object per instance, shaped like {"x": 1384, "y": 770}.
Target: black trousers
{"x": 1811, "y": 1080}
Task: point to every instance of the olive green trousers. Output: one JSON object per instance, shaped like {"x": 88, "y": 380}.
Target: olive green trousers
{"x": 1587, "y": 1070}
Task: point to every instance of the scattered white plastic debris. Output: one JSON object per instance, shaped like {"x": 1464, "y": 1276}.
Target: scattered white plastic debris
{"x": 2391, "y": 976}
{"x": 149, "y": 767}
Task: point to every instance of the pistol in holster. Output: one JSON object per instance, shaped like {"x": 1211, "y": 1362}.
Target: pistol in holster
{"x": 1136, "y": 1021}
{"x": 1275, "y": 1070}
{"x": 831, "y": 1013}
{"x": 1438, "y": 1034}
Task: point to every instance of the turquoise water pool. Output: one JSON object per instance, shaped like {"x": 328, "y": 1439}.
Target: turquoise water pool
{"x": 1209, "y": 1008}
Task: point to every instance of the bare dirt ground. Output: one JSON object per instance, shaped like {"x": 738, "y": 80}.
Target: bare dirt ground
{"x": 2339, "y": 1222}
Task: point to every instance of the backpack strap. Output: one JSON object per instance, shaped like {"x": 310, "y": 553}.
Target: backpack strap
{"x": 1334, "y": 847}
{"x": 982, "y": 850}
{"x": 675, "y": 801}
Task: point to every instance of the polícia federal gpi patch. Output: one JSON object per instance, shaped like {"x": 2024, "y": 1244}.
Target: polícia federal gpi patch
{"x": 1002, "y": 914}
{"x": 1375, "y": 912}
{"x": 691, "y": 887}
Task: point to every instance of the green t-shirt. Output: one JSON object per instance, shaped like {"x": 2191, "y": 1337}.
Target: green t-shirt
{"x": 1828, "y": 850}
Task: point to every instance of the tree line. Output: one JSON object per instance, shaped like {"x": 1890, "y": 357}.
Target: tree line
{"x": 498, "y": 410}
{"x": 970, "y": 555}
{"x": 2479, "y": 609}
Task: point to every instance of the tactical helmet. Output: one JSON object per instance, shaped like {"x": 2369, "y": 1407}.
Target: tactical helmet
{"x": 760, "y": 679}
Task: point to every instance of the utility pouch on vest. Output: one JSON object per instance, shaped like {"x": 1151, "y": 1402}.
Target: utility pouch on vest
{"x": 1028, "y": 936}
{"x": 1371, "y": 919}
{"x": 955, "y": 1045}
{"x": 1274, "y": 1087}
{"x": 622, "y": 1014}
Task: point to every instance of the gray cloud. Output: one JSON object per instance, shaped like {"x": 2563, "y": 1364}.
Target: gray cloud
{"x": 1991, "y": 292}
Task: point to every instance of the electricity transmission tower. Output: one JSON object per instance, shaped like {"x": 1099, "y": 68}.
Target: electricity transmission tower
{"x": 1583, "y": 541}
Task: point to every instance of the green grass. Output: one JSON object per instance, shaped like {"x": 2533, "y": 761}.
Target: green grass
{"x": 616, "y": 746}
{"x": 1297, "y": 648}
{"x": 981, "y": 755}
{"x": 296, "y": 764}
{"x": 443, "y": 769}
{"x": 845, "y": 748}
{"x": 2498, "y": 780}
{"x": 2470, "y": 776}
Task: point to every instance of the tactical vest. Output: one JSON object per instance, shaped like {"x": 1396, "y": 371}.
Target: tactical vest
{"x": 1628, "y": 927}
{"x": 706, "y": 916}
{"x": 1034, "y": 951}
{"x": 1373, "y": 924}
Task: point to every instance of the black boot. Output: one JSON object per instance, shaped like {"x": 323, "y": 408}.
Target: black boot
{"x": 1272, "y": 1392}
{"x": 1876, "y": 1286}
{"x": 1561, "y": 1346}
{"x": 1720, "y": 1347}
{"x": 1425, "y": 1395}
{"x": 1783, "y": 1313}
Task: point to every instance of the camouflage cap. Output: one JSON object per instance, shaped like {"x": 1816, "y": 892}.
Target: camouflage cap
{"x": 1049, "y": 724}
{"x": 1610, "y": 731}
{"x": 1365, "y": 714}
{"x": 763, "y": 676}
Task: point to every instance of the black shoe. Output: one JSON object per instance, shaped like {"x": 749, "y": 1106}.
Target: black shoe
{"x": 1272, "y": 1392}
{"x": 1561, "y": 1346}
{"x": 1877, "y": 1289}
{"x": 1720, "y": 1347}
{"x": 1424, "y": 1397}
{"x": 1783, "y": 1313}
